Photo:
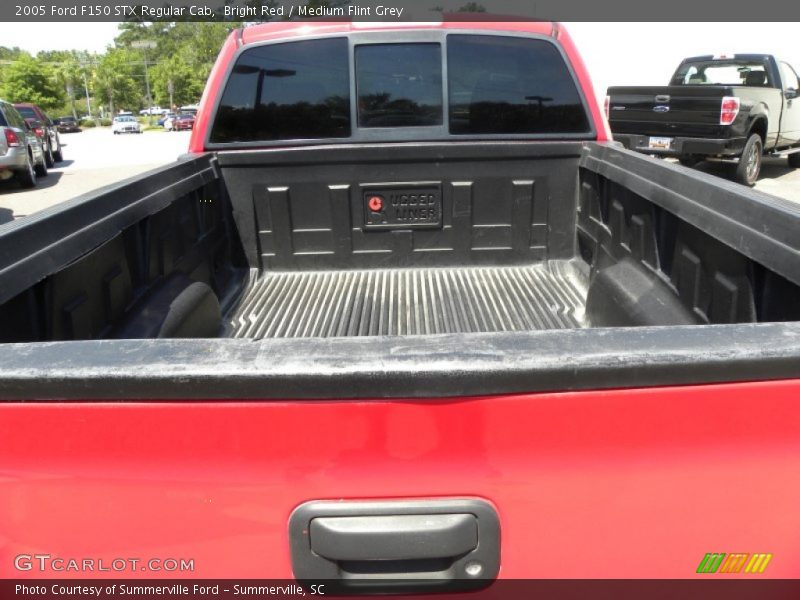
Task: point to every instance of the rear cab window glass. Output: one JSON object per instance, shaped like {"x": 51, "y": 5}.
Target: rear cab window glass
{"x": 511, "y": 85}
{"x": 27, "y": 112}
{"x": 453, "y": 84}
{"x": 722, "y": 72}
{"x": 291, "y": 90}
{"x": 399, "y": 85}
{"x": 14, "y": 118}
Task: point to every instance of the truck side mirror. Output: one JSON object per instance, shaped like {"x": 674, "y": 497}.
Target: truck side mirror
{"x": 790, "y": 93}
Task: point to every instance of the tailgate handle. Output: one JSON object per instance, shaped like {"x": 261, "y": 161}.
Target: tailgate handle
{"x": 662, "y": 98}
{"x": 383, "y": 546}
{"x": 398, "y": 537}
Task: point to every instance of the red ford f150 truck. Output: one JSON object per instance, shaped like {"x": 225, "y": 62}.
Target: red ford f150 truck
{"x": 403, "y": 312}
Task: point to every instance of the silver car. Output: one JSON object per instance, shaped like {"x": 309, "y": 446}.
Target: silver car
{"x": 21, "y": 153}
{"x": 125, "y": 124}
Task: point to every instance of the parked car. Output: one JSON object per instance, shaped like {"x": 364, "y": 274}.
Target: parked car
{"x": 125, "y": 124}
{"x": 182, "y": 123}
{"x": 735, "y": 108}
{"x": 52, "y": 142}
{"x": 408, "y": 322}
{"x": 38, "y": 129}
{"x": 21, "y": 152}
{"x": 67, "y": 125}
{"x": 164, "y": 118}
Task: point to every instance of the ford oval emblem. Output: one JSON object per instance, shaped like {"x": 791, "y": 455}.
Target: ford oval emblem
{"x": 661, "y": 109}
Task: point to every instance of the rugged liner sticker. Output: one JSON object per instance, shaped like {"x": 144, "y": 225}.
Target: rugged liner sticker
{"x": 402, "y": 206}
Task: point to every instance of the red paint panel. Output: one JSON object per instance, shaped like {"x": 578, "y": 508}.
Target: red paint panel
{"x": 212, "y": 90}
{"x": 294, "y": 29}
{"x": 585, "y": 82}
{"x": 602, "y": 484}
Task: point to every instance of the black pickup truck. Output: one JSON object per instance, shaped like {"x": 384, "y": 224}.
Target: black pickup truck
{"x": 735, "y": 107}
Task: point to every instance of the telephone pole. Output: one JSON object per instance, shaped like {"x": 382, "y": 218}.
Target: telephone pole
{"x": 144, "y": 45}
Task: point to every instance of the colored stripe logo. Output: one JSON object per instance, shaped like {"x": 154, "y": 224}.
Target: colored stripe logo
{"x": 737, "y": 562}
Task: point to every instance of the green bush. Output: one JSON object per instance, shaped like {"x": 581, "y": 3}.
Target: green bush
{"x": 105, "y": 122}
{"x": 88, "y": 123}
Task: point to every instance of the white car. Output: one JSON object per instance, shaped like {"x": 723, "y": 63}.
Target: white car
{"x": 153, "y": 110}
{"x": 189, "y": 109}
{"x": 125, "y": 124}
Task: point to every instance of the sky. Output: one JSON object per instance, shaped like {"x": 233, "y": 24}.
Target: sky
{"x": 648, "y": 53}
{"x": 614, "y": 53}
{"x": 35, "y": 37}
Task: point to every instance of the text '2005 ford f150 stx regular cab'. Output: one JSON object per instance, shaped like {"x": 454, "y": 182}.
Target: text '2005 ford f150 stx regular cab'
{"x": 733, "y": 107}
{"x": 404, "y": 311}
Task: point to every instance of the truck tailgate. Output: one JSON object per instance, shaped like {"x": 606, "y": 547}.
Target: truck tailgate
{"x": 667, "y": 110}
{"x": 590, "y": 484}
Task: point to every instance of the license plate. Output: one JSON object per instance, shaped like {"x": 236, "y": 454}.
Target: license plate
{"x": 660, "y": 143}
{"x": 402, "y": 206}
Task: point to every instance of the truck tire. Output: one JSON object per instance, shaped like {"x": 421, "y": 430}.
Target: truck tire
{"x": 48, "y": 156}
{"x": 689, "y": 161}
{"x": 750, "y": 162}
{"x": 27, "y": 177}
{"x": 794, "y": 160}
{"x": 58, "y": 155}
{"x": 41, "y": 168}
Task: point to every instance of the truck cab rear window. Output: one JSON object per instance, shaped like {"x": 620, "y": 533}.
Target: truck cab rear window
{"x": 453, "y": 85}
{"x": 293, "y": 90}
{"x": 399, "y": 85}
{"x": 510, "y": 85}
{"x": 722, "y": 72}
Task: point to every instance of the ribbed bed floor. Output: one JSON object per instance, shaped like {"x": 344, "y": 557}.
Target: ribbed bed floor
{"x": 409, "y": 301}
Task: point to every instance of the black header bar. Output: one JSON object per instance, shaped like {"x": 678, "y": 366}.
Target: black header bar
{"x": 398, "y": 10}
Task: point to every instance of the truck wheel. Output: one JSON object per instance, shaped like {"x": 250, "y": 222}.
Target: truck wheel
{"x": 794, "y": 160}
{"x": 41, "y": 168}
{"x": 750, "y": 162}
{"x": 58, "y": 155}
{"x": 48, "y": 157}
{"x": 689, "y": 161}
{"x": 27, "y": 177}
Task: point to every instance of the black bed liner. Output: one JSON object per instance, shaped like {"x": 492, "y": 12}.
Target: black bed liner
{"x": 618, "y": 252}
{"x": 410, "y": 301}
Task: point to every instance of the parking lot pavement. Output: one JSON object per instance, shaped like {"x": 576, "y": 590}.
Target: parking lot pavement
{"x": 776, "y": 178}
{"x": 93, "y": 158}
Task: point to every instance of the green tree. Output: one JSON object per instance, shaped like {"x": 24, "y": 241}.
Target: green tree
{"x": 68, "y": 73}
{"x": 116, "y": 79}
{"x": 7, "y": 53}
{"x": 184, "y": 52}
{"x": 187, "y": 85}
{"x": 26, "y": 79}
